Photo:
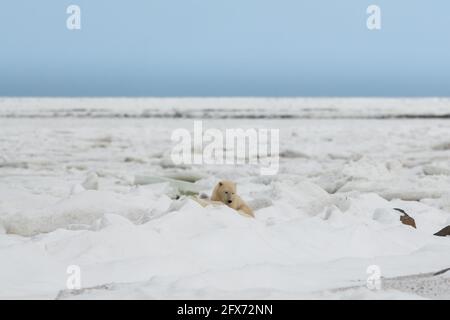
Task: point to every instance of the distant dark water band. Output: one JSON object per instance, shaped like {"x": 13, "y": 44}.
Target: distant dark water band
{"x": 228, "y": 116}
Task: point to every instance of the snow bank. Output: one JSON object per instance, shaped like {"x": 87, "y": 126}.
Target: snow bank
{"x": 213, "y": 252}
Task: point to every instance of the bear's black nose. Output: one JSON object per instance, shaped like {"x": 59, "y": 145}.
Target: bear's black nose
{"x": 229, "y": 201}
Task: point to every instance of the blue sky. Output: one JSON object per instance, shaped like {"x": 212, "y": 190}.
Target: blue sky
{"x": 224, "y": 48}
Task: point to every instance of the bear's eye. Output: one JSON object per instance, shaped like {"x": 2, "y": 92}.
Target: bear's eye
{"x": 226, "y": 192}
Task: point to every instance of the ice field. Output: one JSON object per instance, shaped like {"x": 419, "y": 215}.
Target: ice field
{"x": 71, "y": 193}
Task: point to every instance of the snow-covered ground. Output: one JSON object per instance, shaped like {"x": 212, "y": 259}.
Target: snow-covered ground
{"x": 68, "y": 197}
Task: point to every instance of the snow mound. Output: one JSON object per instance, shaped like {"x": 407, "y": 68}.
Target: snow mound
{"x": 80, "y": 211}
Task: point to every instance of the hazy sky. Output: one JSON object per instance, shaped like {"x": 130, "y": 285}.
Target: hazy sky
{"x": 224, "y": 48}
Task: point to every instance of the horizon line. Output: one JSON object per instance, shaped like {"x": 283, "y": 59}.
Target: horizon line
{"x": 223, "y": 97}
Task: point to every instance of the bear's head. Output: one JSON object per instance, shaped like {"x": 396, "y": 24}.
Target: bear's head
{"x": 225, "y": 191}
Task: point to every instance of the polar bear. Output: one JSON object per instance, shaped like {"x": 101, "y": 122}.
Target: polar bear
{"x": 225, "y": 192}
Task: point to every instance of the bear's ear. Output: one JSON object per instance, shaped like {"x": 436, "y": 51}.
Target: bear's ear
{"x": 220, "y": 183}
